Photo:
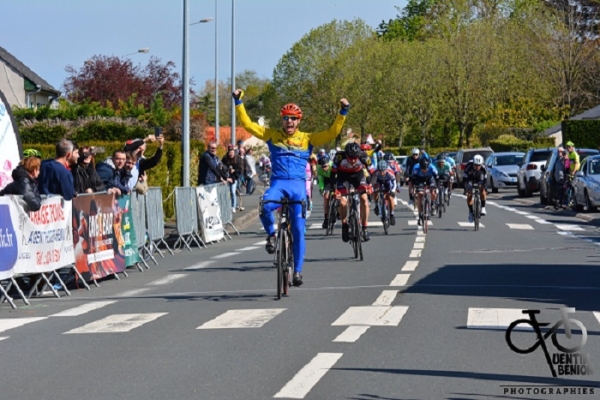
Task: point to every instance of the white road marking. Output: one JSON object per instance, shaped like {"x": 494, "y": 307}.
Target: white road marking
{"x": 495, "y": 318}
{"x": 597, "y": 315}
{"x": 493, "y": 203}
{"x": 117, "y": 323}
{"x": 200, "y": 265}
{"x": 542, "y": 221}
{"x": 419, "y": 245}
{"x": 249, "y": 248}
{"x": 534, "y": 217}
{"x": 520, "y": 226}
{"x": 415, "y": 254}
{"x": 2, "y": 338}
{"x": 371, "y": 316}
{"x": 83, "y": 309}
{"x": 521, "y": 212}
{"x": 420, "y": 233}
{"x": 410, "y": 265}
{"x": 308, "y": 376}
{"x": 470, "y": 224}
{"x": 351, "y": 334}
{"x": 375, "y": 223}
{"x": 400, "y": 280}
{"x": 261, "y": 243}
{"x": 242, "y": 319}
{"x": 225, "y": 255}
{"x": 11, "y": 323}
{"x": 167, "y": 279}
{"x": 569, "y": 227}
{"x": 133, "y": 292}
{"x": 386, "y": 298}
{"x": 420, "y": 239}
{"x": 414, "y": 222}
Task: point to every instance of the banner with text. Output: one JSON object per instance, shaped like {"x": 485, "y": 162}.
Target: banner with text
{"x": 209, "y": 213}
{"x": 9, "y": 250}
{"x": 132, "y": 255}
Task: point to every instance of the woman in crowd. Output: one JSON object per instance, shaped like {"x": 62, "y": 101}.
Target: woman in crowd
{"x": 24, "y": 182}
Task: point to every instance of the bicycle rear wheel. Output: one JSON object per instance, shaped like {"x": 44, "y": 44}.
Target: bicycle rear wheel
{"x": 354, "y": 233}
{"x": 331, "y": 216}
{"x": 385, "y": 216}
{"x": 476, "y": 212}
{"x": 425, "y": 213}
{"x": 280, "y": 258}
{"x": 289, "y": 263}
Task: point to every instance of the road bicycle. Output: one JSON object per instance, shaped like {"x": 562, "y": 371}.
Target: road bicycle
{"x": 331, "y": 213}
{"x": 441, "y": 198}
{"x": 568, "y": 323}
{"x": 265, "y": 177}
{"x": 354, "y": 225}
{"x": 426, "y": 206}
{"x": 284, "y": 254}
{"x": 384, "y": 209}
{"x": 476, "y": 207}
{"x": 448, "y": 192}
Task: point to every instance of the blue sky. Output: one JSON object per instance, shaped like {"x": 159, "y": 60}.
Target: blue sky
{"x": 49, "y": 35}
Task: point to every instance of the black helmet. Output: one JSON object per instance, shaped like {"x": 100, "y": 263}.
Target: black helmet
{"x": 440, "y": 158}
{"x": 352, "y": 149}
{"x": 388, "y": 156}
{"x": 324, "y": 160}
{"x": 424, "y": 163}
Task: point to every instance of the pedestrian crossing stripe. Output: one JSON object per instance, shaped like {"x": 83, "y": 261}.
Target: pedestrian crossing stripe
{"x": 83, "y": 309}
{"x": 117, "y": 323}
{"x": 597, "y": 315}
{"x": 236, "y": 319}
{"x": 371, "y": 316}
{"x": 494, "y": 318}
{"x": 412, "y": 222}
{"x": 2, "y": 338}
{"x": 520, "y": 226}
{"x": 12, "y": 323}
{"x": 569, "y": 227}
{"x": 470, "y": 224}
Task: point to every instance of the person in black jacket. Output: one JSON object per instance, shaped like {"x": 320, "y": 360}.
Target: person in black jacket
{"x": 209, "y": 169}
{"x": 234, "y": 164}
{"x": 109, "y": 172}
{"x": 84, "y": 174}
{"x": 24, "y": 183}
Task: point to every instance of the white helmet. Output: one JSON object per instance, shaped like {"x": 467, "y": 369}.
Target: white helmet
{"x": 415, "y": 151}
{"x": 322, "y": 151}
{"x": 477, "y": 160}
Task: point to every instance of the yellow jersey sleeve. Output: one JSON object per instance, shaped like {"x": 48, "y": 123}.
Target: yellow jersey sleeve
{"x": 321, "y": 138}
{"x": 252, "y": 127}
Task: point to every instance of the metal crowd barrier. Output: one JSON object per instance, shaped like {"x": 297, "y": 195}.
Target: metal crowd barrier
{"x": 156, "y": 223}
{"x": 186, "y": 212}
{"x": 226, "y": 211}
{"x": 138, "y": 205}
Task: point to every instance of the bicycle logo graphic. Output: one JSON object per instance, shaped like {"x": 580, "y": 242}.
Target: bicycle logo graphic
{"x": 570, "y": 363}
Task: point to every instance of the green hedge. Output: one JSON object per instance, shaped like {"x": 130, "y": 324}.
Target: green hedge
{"x": 584, "y": 133}
{"x": 167, "y": 174}
{"x": 406, "y": 150}
{"x": 43, "y": 132}
{"x": 512, "y": 143}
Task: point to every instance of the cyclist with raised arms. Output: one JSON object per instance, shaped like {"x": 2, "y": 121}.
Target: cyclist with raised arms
{"x": 325, "y": 184}
{"x": 475, "y": 174}
{"x": 290, "y": 150}
{"x": 353, "y": 166}
{"x": 410, "y": 165}
{"x": 424, "y": 174}
{"x": 386, "y": 179}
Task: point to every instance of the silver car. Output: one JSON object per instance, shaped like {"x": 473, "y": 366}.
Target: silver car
{"x": 587, "y": 184}
{"x": 502, "y": 169}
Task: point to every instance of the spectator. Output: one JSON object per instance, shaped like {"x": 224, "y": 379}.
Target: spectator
{"x": 240, "y": 147}
{"x": 209, "y": 171}
{"x": 24, "y": 183}
{"x": 234, "y": 164}
{"x": 109, "y": 172}
{"x": 559, "y": 177}
{"x": 250, "y": 164}
{"x": 141, "y": 186}
{"x": 241, "y": 153}
{"x": 55, "y": 175}
{"x": 84, "y": 174}
{"x": 138, "y": 147}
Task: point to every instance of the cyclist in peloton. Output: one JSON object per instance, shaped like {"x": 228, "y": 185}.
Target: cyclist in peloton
{"x": 475, "y": 174}
{"x": 385, "y": 178}
{"x": 424, "y": 174}
{"x": 445, "y": 171}
{"x": 290, "y": 150}
{"x": 410, "y": 164}
{"x": 325, "y": 184}
{"x": 353, "y": 166}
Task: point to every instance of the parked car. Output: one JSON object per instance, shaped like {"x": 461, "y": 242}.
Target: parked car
{"x": 402, "y": 164}
{"x": 547, "y": 183}
{"x": 453, "y": 155}
{"x": 463, "y": 156}
{"x": 400, "y": 160}
{"x": 529, "y": 174}
{"x": 502, "y": 169}
{"x": 587, "y": 184}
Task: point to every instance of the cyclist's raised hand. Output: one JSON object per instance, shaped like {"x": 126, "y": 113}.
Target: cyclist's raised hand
{"x": 238, "y": 94}
{"x": 344, "y": 104}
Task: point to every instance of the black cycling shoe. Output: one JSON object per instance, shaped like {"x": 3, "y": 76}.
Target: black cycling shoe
{"x": 376, "y": 210}
{"x": 366, "y": 235}
{"x": 420, "y": 220}
{"x": 297, "y": 279}
{"x": 270, "y": 247}
{"x": 392, "y": 219}
{"x": 345, "y": 233}
{"x": 325, "y": 223}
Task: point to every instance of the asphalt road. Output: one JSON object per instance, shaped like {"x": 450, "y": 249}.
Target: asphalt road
{"x": 422, "y": 317}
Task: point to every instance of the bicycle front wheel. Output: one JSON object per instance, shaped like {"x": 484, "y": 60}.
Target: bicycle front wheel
{"x": 476, "y": 212}
{"x": 385, "y": 218}
{"x": 354, "y": 233}
{"x": 425, "y": 213}
{"x": 576, "y": 347}
{"x": 280, "y": 258}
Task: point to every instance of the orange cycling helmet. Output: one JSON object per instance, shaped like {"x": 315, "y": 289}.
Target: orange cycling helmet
{"x": 291, "y": 109}
{"x": 365, "y": 146}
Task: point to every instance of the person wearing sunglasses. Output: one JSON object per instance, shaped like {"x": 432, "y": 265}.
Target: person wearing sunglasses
{"x": 209, "y": 170}
{"x": 290, "y": 149}
{"x": 352, "y": 166}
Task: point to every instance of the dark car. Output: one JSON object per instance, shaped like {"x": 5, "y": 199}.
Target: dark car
{"x": 464, "y": 156}
{"x": 547, "y": 182}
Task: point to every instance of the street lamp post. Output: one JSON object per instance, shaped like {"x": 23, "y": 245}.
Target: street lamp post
{"x": 217, "y": 125}
{"x": 232, "y": 71}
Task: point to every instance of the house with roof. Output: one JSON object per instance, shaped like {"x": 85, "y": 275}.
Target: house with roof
{"x": 556, "y": 130}
{"x": 21, "y": 86}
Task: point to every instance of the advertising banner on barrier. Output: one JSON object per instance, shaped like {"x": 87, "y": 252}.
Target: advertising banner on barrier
{"x": 10, "y": 142}
{"x": 8, "y": 240}
{"x": 98, "y": 240}
{"x": 209, "y": 213}
{"x": 45, "y": 236}
{"x": 132, "y": 255}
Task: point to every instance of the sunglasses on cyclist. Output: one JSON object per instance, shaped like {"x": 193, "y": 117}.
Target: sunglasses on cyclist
{"x": 287, "y": 118}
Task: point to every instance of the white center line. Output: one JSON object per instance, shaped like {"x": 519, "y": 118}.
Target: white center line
{"x": 225, "y": 255}
{"x": 386, "y": 298}
{"x": 133, "y": 292}
{"x": 371, "y": 316}
{"x": 83, "y": 309}
{"x": 410, "y": 265}
{"x": 521, "y": 212}
{"x": 167, "y": 279}
{"x": 308, "y": 376}
{"x": 200, "y": 265}
{"x": 520, "y": 226}
{"x": 532, "y": 216}
{"x": 2, "y": 338}
{"x": 400, "y": 280}
{"x": 351, "y": 334}
{"x": 542, "y": 221}
{"x": 415, "y": 254}
{"x": 420, "y": 239}
{"x": 419, "y": 245}
{"x": 248, "y": 248}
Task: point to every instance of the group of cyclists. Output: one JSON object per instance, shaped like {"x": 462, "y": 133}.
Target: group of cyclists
{"x": 293, "y": 168}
